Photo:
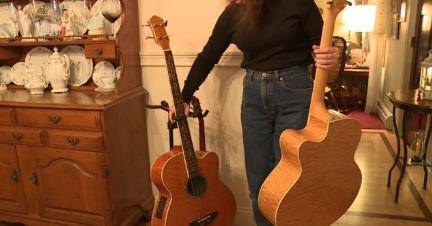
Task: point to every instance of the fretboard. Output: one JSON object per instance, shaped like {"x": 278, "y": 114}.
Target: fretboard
{"x": 188, "y": 149}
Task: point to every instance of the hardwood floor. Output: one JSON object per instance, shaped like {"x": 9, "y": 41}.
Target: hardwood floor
{"x": 374, "y": 205}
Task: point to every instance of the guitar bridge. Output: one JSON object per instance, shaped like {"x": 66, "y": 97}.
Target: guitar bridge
{"x": 204, "y": 220}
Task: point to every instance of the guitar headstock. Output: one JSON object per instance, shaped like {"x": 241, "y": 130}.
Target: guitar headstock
{"x": 157, "y": 26}
{"x": 336, "y": 6}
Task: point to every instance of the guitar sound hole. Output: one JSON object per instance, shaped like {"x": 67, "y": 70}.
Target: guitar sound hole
{"x": 195, "y": 187}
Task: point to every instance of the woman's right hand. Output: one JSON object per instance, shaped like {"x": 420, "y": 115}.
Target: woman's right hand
{"x": 172, "y": 111}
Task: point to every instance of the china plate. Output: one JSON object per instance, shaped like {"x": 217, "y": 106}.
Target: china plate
{"x": 80, "y": 68}
{"x": 102, "y": 69}
{"x": 37, "y": 59}
{"x": 117, "y": 23}
{"x": 5, "y": 72}
{"x": 18, "y": 73}
{"x": 5, "y": 20}
{"x": 77, "y": 16}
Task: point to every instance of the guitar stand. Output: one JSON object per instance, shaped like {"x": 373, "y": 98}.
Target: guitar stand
{"x": 171, "y": 126}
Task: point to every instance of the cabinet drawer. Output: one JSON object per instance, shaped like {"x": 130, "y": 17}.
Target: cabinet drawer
{"x": 59, "y": 119}
{"x": 80, "y": 140}
{"x": 100, "y": 51}
{"x": 7, "y": 116}
{"x": 22, "y": 135}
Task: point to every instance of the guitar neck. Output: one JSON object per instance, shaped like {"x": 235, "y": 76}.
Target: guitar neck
{"x": 318, "y": 107}
{"x": 188, "y": 149}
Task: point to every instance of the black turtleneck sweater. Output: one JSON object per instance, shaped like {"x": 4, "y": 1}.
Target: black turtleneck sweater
{"x": 283, "y": 39}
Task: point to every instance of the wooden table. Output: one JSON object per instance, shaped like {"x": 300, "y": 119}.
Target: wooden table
{"x": 408, "y": 100}
{"x": 350, "y": 75}
{"x": 356, "y": 72}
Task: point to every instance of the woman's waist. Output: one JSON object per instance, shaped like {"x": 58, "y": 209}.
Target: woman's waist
{"x": 280, "y": 72}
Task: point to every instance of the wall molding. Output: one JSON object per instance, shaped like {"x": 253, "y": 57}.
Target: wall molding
{"x": 186, "y": 59}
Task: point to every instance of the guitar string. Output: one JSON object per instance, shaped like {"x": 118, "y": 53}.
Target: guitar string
{"x": 196, "y": 183}
{"x": 201, "y": 205}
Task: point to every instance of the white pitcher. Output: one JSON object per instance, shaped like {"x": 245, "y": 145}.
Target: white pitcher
{"x": 58, "y": 71}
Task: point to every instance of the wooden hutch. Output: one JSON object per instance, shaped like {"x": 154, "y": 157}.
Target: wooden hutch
{"x": 103, "y": 178}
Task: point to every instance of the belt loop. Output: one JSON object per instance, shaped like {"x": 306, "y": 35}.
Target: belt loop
{"x": 276, "y": 76}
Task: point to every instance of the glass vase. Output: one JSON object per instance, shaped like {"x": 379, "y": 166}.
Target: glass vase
{"x": 417, "y": 147}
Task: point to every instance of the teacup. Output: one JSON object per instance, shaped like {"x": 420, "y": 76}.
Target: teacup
{"x": 109, "y": 82}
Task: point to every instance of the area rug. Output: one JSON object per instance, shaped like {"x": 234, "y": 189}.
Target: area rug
{"x": 367, "y": 121}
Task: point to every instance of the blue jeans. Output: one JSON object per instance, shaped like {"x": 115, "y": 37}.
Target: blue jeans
{"x": 273, "y": 101}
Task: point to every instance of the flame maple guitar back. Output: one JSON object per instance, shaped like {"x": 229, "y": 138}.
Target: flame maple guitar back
{"x": 317, "y": 178}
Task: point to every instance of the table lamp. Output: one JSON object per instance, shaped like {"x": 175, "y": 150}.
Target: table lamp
{"x": 425, "y": 89}
{"x": 362, "y": 20}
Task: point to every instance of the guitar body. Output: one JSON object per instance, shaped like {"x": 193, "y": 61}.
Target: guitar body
{"x": 317, "y": 179}
{"x": 169, "y": 175}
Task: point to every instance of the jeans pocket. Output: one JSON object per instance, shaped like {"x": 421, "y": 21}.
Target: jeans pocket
{"x": 297, "y": 82}
{"x": 247, "y": 79}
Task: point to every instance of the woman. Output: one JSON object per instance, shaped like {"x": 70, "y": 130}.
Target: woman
{"x": 276, "y": 37}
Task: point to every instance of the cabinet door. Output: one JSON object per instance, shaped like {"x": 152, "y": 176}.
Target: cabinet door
{"x": 11, "y": 189}
{"x": 70, "y": 184}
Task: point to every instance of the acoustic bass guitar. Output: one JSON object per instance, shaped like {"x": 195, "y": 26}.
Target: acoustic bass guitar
{"x": 190, "y": 192}
{"x": 317, "y": 179}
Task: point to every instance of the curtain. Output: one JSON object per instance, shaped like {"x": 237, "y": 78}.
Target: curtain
{"x": 382, "y": 30}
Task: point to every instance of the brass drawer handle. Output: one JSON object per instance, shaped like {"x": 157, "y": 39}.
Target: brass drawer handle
{"x": 34, "y": 178}
{"x": 15, "y": 176}
{"x": 98, "y": 51}
{"x": 54, "y": 119}
{"x": 72, "y": 141}
{"x": 17, "y": 136}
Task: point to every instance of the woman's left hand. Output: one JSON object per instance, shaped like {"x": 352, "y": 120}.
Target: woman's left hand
{"x": 326, "y": 58}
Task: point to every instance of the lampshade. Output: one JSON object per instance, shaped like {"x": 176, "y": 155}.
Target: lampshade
{"x": 346, "y": 15}
{"x": 362, "y": 18}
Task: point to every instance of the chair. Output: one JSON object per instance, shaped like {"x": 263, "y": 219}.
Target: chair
{"x": 335, "y": 79}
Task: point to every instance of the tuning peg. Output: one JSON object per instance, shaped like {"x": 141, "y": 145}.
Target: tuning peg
{"x": 349, "y": 3}
{"x": 161, "y": 24}
{"x": 155, "y": 25}
{"x": 158, "y": 37}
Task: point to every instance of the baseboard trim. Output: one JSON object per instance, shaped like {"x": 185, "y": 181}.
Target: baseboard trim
{"x": 244, "y": 217}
